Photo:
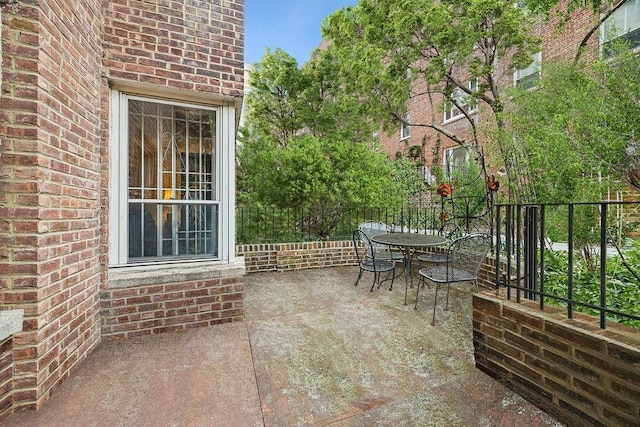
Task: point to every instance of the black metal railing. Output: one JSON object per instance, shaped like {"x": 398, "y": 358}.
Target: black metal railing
{"x": 560, "y": 254}
{"x": 255, "y": 224}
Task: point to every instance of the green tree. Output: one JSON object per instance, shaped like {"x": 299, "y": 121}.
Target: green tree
{"x": 394, "y": 51}
{"x": 581, "y": 124}
{"x": 303, "y": 145}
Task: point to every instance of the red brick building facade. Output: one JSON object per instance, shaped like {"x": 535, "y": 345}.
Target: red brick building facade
{"x": 425, "y": 145}
{"x": 73, "y": 73}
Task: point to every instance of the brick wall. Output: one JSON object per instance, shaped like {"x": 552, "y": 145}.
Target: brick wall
{"x": 296, "y": 256}
{"x": 191, "y": 45}
{"x": 6, "y": 378}
{"x": 50, "y": 180}
{"x": 60, "y": 59}
{"x": 168, "y": 307}
{"x": 569, "y": 367}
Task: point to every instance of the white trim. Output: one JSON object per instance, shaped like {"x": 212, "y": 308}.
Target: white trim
{"x": 473, "y": 86}
{"x": 224, "y": 196}
{"x": 532, "y": 69}
{"x": 404, "y": 126}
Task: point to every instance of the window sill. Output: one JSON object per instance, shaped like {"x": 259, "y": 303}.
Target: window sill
{"x": 458, "y": 117}
{"x": 131, "y": 276}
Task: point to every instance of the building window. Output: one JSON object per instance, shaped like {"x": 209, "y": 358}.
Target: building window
{"x": 623, "y": 25}
{"x": 527, "y": 78}
{"x": 465, "y": 102}
{"x": 165, "y": 182}
{"x": 375, "y": 138}
{"x": 455, "y": 160}
{"x": 405, "y": 131}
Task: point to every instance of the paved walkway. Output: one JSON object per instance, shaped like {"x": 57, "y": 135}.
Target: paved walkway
{"x": 314, "y": 350}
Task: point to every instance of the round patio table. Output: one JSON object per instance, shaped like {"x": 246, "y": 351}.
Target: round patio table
{"x": 406, "y": 242}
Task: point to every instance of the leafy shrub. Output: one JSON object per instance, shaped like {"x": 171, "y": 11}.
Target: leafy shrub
{"x": 623, "y": 287}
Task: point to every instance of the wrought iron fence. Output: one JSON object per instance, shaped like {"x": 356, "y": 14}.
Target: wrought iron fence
{"x": 583, "y": 256}
{"x": 255, "y": 224}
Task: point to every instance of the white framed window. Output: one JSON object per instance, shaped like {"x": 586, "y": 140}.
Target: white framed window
{"x": 455, "y": 159}
{"x": 428, "y": 178}
{"x": 405, "y": 129}
{"x": 623, "y": 24}
{"x": 527, "y": 78}
{"x": 169, "y": 188}
{"x": 375, "y": 138}
{"x": 465, "y": 102}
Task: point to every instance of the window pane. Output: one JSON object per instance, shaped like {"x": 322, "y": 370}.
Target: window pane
{"x": 189, "y": 230}
{"x": 142, "y": 230}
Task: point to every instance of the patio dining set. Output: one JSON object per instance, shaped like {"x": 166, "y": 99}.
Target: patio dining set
{"x": 444, "y": 258}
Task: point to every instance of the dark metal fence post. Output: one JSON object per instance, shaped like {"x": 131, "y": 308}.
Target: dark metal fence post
{"x": 570, "y": 213}
{"x": 542, "y": 237}
{"x": 530, "y": 243}
{"x": 497, "y": 246}
{"x": 603, "y": 264}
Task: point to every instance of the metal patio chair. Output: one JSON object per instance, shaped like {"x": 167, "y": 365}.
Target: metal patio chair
{"x": 369, "y": 259}
{"x": 465, "y": 257}
{"x": 440, "y": 255}
{"x": 375, "y": 228}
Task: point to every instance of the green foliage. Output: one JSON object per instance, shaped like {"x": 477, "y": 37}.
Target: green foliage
{"x": 313, "y": 171}
{"x": 545, "y": 6}
{"x": 578, "y": 126}
{"x": 408, "y": 180}
{"x": 385, "y": 47}
{"x": 623, "y": 288}
{"x": 305, "y": 146}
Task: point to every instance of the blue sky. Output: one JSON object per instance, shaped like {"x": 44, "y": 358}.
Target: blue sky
{"x": 291, "y": 25}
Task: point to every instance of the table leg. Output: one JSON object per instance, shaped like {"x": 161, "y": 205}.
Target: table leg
{"x": 407, "y": 271}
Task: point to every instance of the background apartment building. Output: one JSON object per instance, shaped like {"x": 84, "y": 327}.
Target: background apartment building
{"x": 560, "y": 42}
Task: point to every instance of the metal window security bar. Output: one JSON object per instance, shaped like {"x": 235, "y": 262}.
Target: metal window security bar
{"x": 173, "y": 207}
{"x": 522, "y": 231}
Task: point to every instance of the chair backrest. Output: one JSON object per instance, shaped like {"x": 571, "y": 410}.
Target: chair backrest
{"x": 375, "y": 228}
{"x": 362, "y": 246}
{"x": 468, "y": 252}
{"x": 458, "y": 227}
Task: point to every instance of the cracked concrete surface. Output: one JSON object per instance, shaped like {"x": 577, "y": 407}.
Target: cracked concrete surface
{"x": 314, "y": 350}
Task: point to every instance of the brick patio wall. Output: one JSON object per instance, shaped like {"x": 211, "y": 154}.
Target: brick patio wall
{"x": 296, "y": 256}
{"x": 570, "y": 368}
{"x": 144, "y": 301}
{"x": 153, "y": 309}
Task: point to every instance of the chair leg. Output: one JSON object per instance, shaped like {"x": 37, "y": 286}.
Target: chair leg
{"x": 476, "y": 283}
{"x": 446, "y": 307}
{"x": 359, "y": 276}
{"x": 404, "y": 265}
{"x": 375, "y": 279}
{"x": 435, "y": 300}
{"x": 390, "y": 276}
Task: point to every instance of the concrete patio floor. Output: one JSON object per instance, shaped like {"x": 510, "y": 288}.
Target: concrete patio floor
{"x": 314, "y": 350}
